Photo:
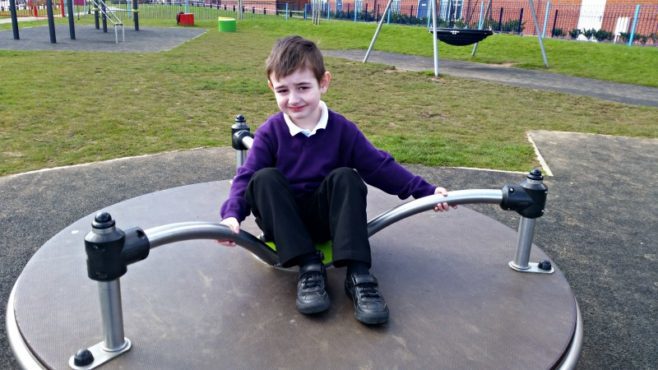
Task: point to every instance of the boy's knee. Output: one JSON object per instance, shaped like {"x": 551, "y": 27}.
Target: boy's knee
{"x": 267, "y": 175}
{"x": 346, "y": 176}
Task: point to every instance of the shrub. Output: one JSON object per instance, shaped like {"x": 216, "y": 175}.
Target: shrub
{"x": 602, "y": 35}
{"x": 557, "y": 32}
{"x": 574, "y": 33}
{"x": 589, "y": 33}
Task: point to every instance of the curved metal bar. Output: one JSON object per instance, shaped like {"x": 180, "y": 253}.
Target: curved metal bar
{"x": 572, "y": 355}
{"x": 248, "y": 141}
{"x": 426, "y": 203}
{"x": 176, "y": 232}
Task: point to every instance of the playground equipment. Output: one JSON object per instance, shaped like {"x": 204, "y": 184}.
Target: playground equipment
{"x": 453, "y": 36}
{"x": 100, "y": 10}
{"x": 205, "y": 306}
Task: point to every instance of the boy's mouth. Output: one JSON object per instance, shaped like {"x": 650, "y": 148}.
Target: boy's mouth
{"x": 296, "y": 109}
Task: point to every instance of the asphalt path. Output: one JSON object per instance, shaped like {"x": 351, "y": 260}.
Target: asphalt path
{"x": 532, "y": 79}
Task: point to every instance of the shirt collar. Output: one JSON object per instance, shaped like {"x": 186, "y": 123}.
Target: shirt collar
{"x": 322, "y": 123}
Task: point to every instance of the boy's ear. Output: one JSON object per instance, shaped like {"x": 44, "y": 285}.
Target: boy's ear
{"x": 269, "y": 84}
{"x": 324, "y": 83}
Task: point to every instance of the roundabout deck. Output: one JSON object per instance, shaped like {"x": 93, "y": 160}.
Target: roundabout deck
{"x": 454, "y": 302}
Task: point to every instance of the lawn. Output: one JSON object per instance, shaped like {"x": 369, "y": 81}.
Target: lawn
{"x": 60, "y": 108}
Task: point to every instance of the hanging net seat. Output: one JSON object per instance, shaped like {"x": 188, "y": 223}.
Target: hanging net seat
{"x": 461, "y": 37}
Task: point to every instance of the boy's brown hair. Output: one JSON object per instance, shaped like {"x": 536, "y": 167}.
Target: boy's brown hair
{"x": 293, "y": 53}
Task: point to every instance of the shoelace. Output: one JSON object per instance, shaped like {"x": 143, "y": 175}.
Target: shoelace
{"x": 368, "y": 292}
{"x": 311, "y": 280}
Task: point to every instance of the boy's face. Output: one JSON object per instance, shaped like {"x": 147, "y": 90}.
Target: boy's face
{"x": 298, "y": 95}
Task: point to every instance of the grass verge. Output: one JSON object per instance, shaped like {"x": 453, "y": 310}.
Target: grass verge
{"x": 60, "y": 108}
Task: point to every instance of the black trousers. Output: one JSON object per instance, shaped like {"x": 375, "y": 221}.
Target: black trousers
{"x": 336, "y": 211}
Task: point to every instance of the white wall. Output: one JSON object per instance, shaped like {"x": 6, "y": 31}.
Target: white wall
{"x": 591, "y": 14}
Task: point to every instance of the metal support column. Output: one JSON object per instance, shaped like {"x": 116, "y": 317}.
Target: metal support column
{"x": 14, "y": 19}
{"x": 539, "y": 38}
{"x": 71, "y": 20}
{"x": 51, "y": 21}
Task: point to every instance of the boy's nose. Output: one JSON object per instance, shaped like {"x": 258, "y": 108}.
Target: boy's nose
{"x": 293, "y": 98}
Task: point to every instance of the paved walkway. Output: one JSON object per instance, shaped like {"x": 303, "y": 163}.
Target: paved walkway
{"x": 623, "y": 93}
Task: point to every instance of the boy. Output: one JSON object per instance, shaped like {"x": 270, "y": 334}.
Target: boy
{"x": 303, "y": 182}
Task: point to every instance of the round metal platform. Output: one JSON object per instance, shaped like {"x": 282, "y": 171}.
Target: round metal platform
{"x": 454, "y": 301}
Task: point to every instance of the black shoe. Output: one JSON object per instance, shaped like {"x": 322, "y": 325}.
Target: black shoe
{"x": 369, "y": 305}
{"x": 312, "y": 294}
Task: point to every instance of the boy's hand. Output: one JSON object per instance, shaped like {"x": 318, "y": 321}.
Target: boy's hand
{"x": 232, "y": 224}
{"x": 440, "y": 207}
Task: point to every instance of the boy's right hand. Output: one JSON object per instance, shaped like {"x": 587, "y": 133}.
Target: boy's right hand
{"x": 233, "y": 224}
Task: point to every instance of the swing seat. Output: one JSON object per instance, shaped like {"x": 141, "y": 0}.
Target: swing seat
{"x": 461, "y": 37}
{"x": 324, "y": 248}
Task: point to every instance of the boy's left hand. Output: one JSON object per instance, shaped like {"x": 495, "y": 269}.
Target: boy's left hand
{"x": 440, "y": 207}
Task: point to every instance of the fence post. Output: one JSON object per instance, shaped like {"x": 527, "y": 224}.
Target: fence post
{"x": 518, "y": 30}
{"x": 554, "y": 24}
{"x": 637, "y": 13}
{"x": 500, "y": 20}
{"x": 388, "y": 16}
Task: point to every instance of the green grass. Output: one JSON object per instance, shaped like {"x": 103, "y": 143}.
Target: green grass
{"x": 60, "y": 108}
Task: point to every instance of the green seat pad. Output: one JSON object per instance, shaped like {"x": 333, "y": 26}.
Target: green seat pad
{"x": 324, "y": 247}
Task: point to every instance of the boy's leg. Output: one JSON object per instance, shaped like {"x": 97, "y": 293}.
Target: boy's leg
{"x": 278, "y": 214}
{"x": 341, "y": 206}
{"x": 342, "y": 199}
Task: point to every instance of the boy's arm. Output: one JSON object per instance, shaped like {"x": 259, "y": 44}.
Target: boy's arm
{"x": 379, "y": 168}
{"x": 259, "y": 156}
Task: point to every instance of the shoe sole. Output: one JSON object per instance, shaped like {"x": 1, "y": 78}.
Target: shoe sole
{"x": 364, "y": 318}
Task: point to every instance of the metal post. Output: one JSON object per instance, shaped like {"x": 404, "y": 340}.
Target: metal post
{"x": 96, "y": 17}
{"x": 480, "y": 24}
{"x": 14, "y": 19}
{"x": 632, "y": 36}
{"x": 51, "y": 21}
{"x": 136, "y": 14}
{"x": 239, "y": 132}
{"x": 109, "y": 293}
{"x": 109, "y": 250}
{"x": 554, "y": 23}
{"x": 539, "y": 38}
{"x": 104, "y": 16}
{"x": 435, "y": 41}
{"x": 71, "y": 20}
{"x": 524, "y": 244}
{"x": 528, "y": 199}
{"x": 548, "y": 9}
{"x": 379, "y": 27}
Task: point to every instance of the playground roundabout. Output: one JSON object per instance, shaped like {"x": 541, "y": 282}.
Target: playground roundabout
{"x": 195, "y": 304}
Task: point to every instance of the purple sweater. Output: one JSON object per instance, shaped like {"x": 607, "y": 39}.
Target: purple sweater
{"x": 306, "y": 161}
